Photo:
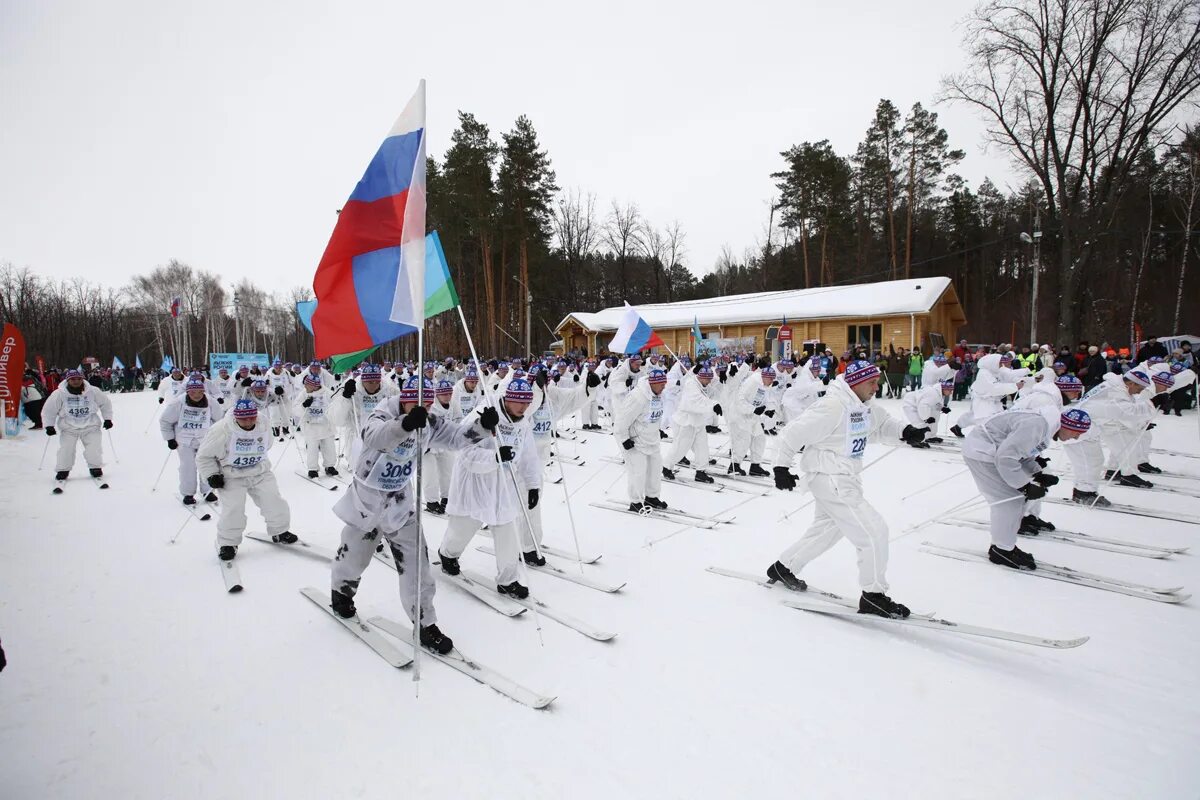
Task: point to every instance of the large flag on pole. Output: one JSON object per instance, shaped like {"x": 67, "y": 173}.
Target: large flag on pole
{"x": 137, "y": 360}
{"x": 634, "y": 335}
{"x": 370, "y": 283}
{"x": 117, "y": 363}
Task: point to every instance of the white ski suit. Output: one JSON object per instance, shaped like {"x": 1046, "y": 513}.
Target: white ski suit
{"x": 1123, "y": 419}
{"x": 639, "y": 417}
{"x": 188, "y": 423}
{"x": 170, "y": 387}
{"x": 986, "y": 391}
{"x": 311, "y": 409}
{"x": 240, "y": 456}
{"x": 1001, "y": 453}
{"x": 746, "y": 435}
{"x": 834, "y": 433}
{"x": 280, "y": 410}
{"x": 691, "y": 416}
{"x": 77, "y": 418}
{"x": 803, "y": 392}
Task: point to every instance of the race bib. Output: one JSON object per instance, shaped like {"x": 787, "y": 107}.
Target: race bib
{"x": 760, "y": 397}
{"x": 510, "y": 434}
{"x": 316, "y": 411}
{"x": 858, "y": 426}
{"x": 654, "y": 414}
{"x": 79, "y": 407}
{"x": 541, "y": 421}
{"x": 246, "y": 449}
{"x": 392, "y": 471}
{"x": 467, "y": 403}
{"x": 193, "y": 419}
{"x": 370, "y": 402}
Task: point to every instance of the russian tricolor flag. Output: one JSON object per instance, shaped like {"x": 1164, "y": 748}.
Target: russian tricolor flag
{"x": 634, "y": 335}
{"x": 370, "y": 284}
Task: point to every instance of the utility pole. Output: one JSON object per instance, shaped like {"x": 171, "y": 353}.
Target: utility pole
{"x": 528, "y": 314}
{"x": 1036, "y": 241}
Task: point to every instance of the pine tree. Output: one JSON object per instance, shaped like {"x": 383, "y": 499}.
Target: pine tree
{"x": 876, "y": 161}
{"x": 927, "y": 156}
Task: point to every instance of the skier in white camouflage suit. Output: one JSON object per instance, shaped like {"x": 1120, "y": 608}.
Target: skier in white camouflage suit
{"x": 234, "y": 457}
{"x": 184, "y": 423}
{"x": 381, "y": 502}
{"x": 637, "y": 426}
{"x": 833, "y": 435}
{"x": 80, "y": 409}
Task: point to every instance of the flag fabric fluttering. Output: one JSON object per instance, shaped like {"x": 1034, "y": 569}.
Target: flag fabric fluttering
{"x": 137, "y": 361}
{"x": 168, "y": 364}
{"x": 369, "y": 283}
{"x": 176, "y": 305}
{"x": 697, "y": 336}
{"x": 117, "y": 363}
{"x": 305, "y": 310}
{"x": 634, "y": 334}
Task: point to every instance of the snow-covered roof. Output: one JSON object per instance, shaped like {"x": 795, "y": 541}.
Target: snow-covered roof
{"x": 887, "y": 298}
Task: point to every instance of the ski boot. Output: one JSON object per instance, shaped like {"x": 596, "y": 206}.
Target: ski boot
{"x": 331, "y": 471}
{"x": 703, "y": 477}
{"x": 756, "y": 471}
{"x": 1014, "y": 559}
{"x": 654, "y": 502}
{"x": 449, "y": 565}
{"x": 668, "y": 474}
{"x": 778, "y": 572}
{"x": 684, "y": 461}
{"x": 1149, "y": 469}
{"x": 287, "y": 537}
{"x": 957, "y": 431}
{"x": 1089, "y": 498}
{"x": 1136, "y": 481}
{"x": 442, "y": 505}
{"x": 1109, "y": 473}
{"x": 881, "y": 605}
{"x": 711, "y": 429}
{"x": 189, "y": 500}
{"x": 736, "y": 469}
{"x": 211, "y": 497}
{"x": 61, "y": 475}
{"x": 96, "y": 472}
{"x": 662, "y": 434}
{"x": 433, "y": 639}
{"x": 515, "y": 589}
{"x": 639, "y": 508}
{"x": 1035, "y": 521}
{"x": 534, "y": 559}
{"x": 312, "y": 473}
{"x": 227, "y": 552}
{"x": 342, "y": 605}
{"x": 433, "y": 508}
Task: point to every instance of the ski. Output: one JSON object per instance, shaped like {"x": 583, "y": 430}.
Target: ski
{"x": 100, "y": 482}
{"x": 1077, "y": 539}
{"x": 58, "y": 487}
{"x": 762, "y": 482}
{"x": 692, "y": 483}
{"x": 558, "y": 572}
{"x": 1174, "y": 453}
{"x": 941, "y": 625}
{"x": 562, "y": 459}
{"x": 366, "y": 634}
{"x": 561, "y": 617}
{"x": 302, "y": 547}
{"x": 1051, "y": 574}
{"x": 1157, "y": 487}
{"x": 738, "y": 486}
{"x": 1122, "y": 508}
{"x": 652, "y": 513}
{"x": 316, "y": 481}
{"x": 761, "y": 580}
{"x": 203, "y": 516}
{"x": 472, "y": 669}
{"x": 1180, "y": 475}
{"x": 232, "y": 576}
{"x": 482, "y": 592}
{"x": 555, "y": 551}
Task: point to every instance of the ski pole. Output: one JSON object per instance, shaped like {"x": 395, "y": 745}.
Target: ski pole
{"x": 113, "y": 448}
{"x": 153, "y": 417}
{"x": 161, "y": 471}
{"x": 937, "y": 483}
{"x": 44, "y": 450}
{"x": 181, "y": 527}
{"x": 566, "y": 494}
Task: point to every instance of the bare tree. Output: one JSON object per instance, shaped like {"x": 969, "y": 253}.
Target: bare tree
{"x": 1075, "y": 90}
{"x": 675, "y": 251}
{"x": 1184, "y": 162}
{"x": 576, "y": 232}
{"x": 654, "y": 247}
{"x": 623, "y": 235}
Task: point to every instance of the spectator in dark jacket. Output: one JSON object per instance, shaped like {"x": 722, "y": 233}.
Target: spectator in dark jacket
{"x": 1093, "y": 369}
{"x": 1150, "y": 349}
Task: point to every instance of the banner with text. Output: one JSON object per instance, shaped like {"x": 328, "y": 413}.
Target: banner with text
{"x": 12, "y": 370}
{"x": 234, "y": 361}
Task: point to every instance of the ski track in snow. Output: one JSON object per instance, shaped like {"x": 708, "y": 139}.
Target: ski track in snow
{"x": 133, "y": 674}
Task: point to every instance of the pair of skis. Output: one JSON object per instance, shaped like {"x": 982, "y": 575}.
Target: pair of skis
{"x": 1087, "y": 540}
{"x": 59, "y": 486}
{"x": 331, "y": 486}
{"x": 836, "y": 605}
{"x": 668, "y": 514}
{"x": 398, "y": 654}
{"x": 1123, "y": 508}
{"x": 1056, "y": 572}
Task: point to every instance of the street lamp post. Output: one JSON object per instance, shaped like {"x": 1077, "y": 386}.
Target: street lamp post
{"x": 1036, "y": 241}
{"x": 528, "y": 314}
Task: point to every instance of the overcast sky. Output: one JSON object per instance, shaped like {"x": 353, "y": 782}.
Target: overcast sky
{"x": 226, "y": 134}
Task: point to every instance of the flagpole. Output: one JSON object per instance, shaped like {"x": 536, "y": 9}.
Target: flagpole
{"x": 422, "y": 558}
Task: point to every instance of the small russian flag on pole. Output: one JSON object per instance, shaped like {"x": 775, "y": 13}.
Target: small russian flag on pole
{"x": 634, "y": 335}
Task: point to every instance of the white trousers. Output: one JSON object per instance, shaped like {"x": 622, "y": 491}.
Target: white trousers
{"x": 187, "y": 469}
{"x": 1126, "y": 448}
{"x": 358, "y": 546}
{"x": 264, "y": 491}
{"x": 1087, "y": 463}
{"x": 319, "y": 448}
{"x": 461, "y": 530}
{"x": 590, "y": 412}
{"x": 280, "y": 416}
{"x": 643, "y": 474}
{"x": 436, "y": 470}
{"x": 68, "y": 439}
{"x": 1009, "y": 506}
{"x": 747, "y": 440}
{"x": 842, "y": 511}
{"x": 693, "y": 439}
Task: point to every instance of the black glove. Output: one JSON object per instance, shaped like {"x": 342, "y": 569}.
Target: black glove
{"x": 627, "y": 444}
{"x": 930, "y": 421}
{"x": 784, "y": 479}
{"x": 911, "y": 434}
{"x": 945, "y": 410}
{"x": 1046, "y": 479}
{"x": 717, "y": 410}
{"x": 732, "y": 370}
{"x": 160, "y": 401}
{"x": 771, "y": 413}
{"x": 108, "y": 424}
{"x": 348, "y": 389}
{"x": 246, "y": 382}
{"x": 489, "y": 418}
{"x": 279, "y": 391}
{"x": 415, "y": 419}
{"x": 307, "y": 402}
{"x": 696, "y": 368}
{"x": 50, "y": 431}
{"x": 593, "y": 380}
{"x": 172, "y": 444}
{"x": 216, "y": 481}
{"x": 628, "y": 382}
{"x": 506, "y": 453}
{"x": 1042, "y": 461}
{"x": 540, "y": 379}
{"x": 533, "y": 498}
{"x": 1033, "y": 492}
{"x": 1152, "y": 426}
{"x": 760, "y": 410}
{"x": 221, "y": 401}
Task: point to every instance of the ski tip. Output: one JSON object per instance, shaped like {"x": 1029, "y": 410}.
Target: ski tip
{"x": 237, "y": 587}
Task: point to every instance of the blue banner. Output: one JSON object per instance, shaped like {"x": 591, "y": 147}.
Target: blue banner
{"x": 234, "y": 361}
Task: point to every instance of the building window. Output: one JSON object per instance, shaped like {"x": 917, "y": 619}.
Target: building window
{"x": 869, "y": 337}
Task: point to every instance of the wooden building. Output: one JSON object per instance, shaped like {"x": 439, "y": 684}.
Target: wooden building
{"x": 925, "y": 311}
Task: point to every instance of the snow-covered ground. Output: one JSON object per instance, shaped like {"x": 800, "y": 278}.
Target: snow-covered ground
{"x": 133, "y": 674}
